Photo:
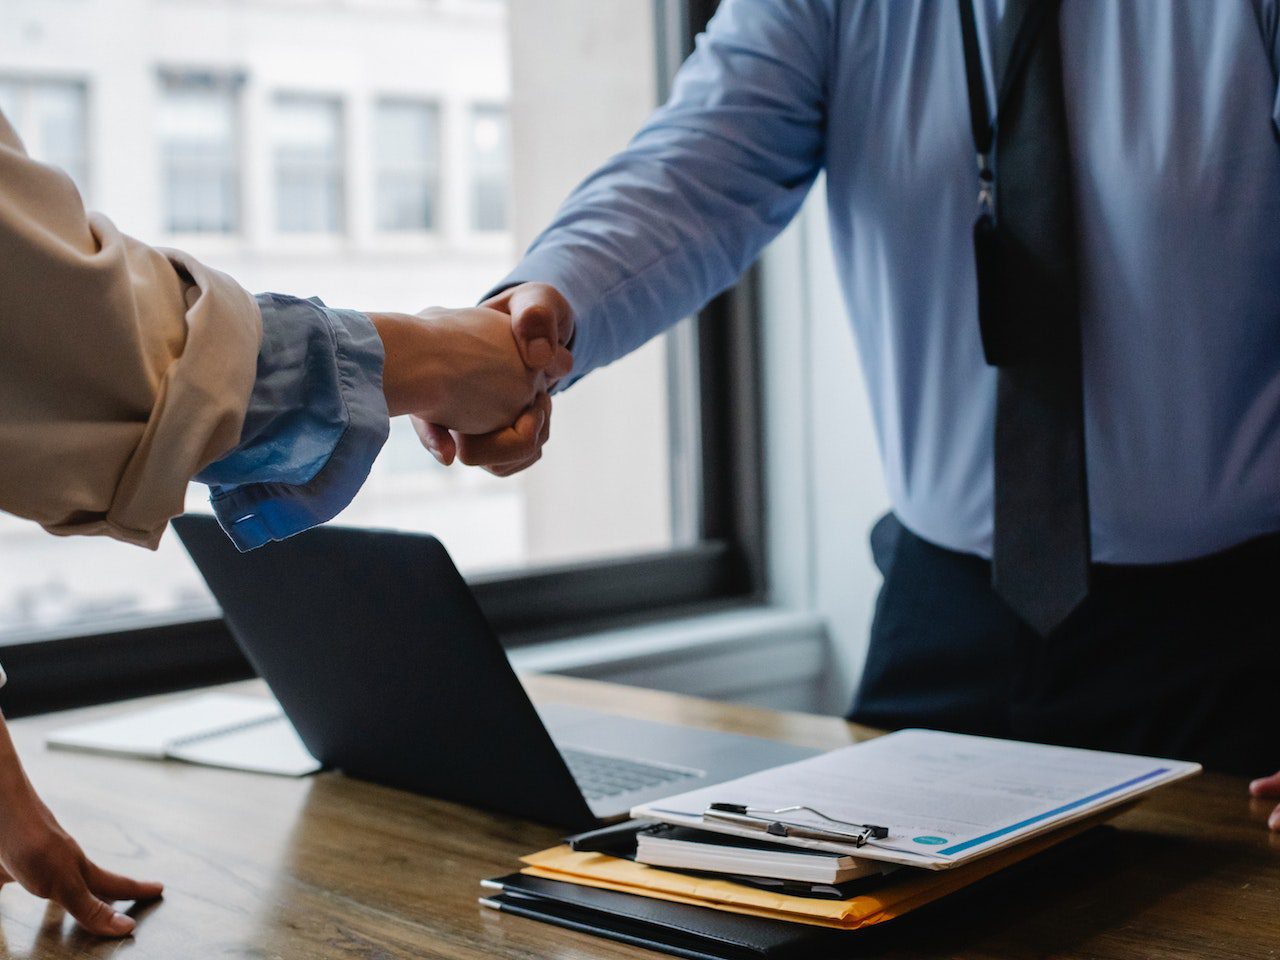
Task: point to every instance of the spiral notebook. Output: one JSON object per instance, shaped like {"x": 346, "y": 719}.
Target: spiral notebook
{"x": 212, "y": 729}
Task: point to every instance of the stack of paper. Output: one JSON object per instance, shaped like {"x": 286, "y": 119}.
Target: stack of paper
{"x": 949, "y": 809}
{"x": 944, "y": 798}
{"x": 904, "y": 892}
{"x": 684, "y": 848}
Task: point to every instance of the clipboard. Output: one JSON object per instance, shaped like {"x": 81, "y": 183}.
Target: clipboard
{"x": 921, "y": 798}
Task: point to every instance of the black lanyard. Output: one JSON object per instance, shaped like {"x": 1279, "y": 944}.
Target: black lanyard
{"x": 998, "y": 347}
{"x": 1007, "y": 74}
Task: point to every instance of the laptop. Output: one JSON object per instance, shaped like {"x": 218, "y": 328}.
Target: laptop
{"x": 380, "y": 656}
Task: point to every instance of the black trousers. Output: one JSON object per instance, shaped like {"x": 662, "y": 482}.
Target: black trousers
{"x": 1178, "y": 660}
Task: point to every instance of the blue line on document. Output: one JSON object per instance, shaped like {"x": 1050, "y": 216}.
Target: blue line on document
{"x": 976, "y": 841}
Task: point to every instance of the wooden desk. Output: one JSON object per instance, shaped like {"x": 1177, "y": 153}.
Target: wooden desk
{"x": 326, "y": 867}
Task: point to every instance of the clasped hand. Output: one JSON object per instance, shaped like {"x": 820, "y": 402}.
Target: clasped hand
{"x": 476, "y": 381}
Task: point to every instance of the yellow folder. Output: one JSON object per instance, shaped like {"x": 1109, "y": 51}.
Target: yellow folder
{"x": 902, "y": 892}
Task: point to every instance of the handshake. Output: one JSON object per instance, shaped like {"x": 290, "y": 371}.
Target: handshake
{"x": 477, "y": 381}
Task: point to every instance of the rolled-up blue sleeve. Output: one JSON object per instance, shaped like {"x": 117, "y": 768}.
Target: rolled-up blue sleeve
{"x": 709, "y": 180}
{"x": 316, "y": 421}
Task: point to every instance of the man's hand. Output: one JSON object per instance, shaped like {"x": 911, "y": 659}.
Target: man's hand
{"x": 38, "y": 853}
{"x": 542, "y": 323}
{"x": 1268, "y": 788}
{"x": 457, "y": 368}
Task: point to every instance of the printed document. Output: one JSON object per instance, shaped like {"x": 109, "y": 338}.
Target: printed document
{"x": 945, "y": 798}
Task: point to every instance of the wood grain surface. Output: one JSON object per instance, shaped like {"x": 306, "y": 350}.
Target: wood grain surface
{"x": 328, "y": 867}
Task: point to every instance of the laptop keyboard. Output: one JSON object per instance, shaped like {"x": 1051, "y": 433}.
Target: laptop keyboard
{"x": 600, "y": 775}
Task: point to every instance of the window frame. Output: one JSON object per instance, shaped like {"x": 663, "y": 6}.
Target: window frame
{"x": 723, "y": 507}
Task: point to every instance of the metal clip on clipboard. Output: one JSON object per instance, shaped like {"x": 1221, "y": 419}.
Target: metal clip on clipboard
{"x": 765, "y": 821}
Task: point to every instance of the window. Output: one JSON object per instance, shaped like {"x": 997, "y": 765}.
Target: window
{"x": 307, "y": 140}
{"x": 490, "y": 168}
{"x": 50, "y": 116}
{"x": 407, "y": 152}
{"x": 198, "y": 121}
{"x": 643, "y": 500}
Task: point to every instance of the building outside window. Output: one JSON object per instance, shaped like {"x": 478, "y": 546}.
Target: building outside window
{"x": 491, "y": 168}
{"x": 199, "y": 128}
{"x": 407, "y": 156}
{"x": 307, "y": 135}
{"x": 51, "y": 117}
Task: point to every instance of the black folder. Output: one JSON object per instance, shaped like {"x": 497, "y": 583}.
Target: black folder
{"x": 701, "y": 933}
{"x": 680, "y": 929}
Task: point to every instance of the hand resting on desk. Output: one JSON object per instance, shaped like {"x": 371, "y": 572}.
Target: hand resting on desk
{"x": 40, "y": 855}
{"x": 1268, "y": 788}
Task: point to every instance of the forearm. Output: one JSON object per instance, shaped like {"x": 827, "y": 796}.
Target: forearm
{"x": 328, "y": 381}
{"x": 15, "y": 788}
{"x": 708, "y": 181}
{"x": 123, "y": 369}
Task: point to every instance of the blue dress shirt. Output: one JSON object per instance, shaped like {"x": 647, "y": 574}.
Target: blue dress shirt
{"x": 1173, "y": 111}
{"x": 316, "y": 421}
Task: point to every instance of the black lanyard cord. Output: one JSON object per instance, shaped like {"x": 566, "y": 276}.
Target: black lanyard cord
{"x": 1022, "y": 21}
{"x": 979, "y": 113}
{"x": 1007, "y": 74}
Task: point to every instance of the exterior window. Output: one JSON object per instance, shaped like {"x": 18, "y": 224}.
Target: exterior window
{"x": 309, "y": 176}
{"x": 254, "y": 153}
{"x": 200, "y": 154}
{"x": 407, "y": 155}
{"x": 50, "y": 116}
{"x": 490, "y": 146}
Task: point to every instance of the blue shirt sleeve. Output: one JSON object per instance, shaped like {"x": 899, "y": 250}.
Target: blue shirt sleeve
{"x": 709, "y": 180}
{"x": 316, "y": 421}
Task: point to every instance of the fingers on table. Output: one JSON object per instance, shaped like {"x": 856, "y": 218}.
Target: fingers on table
{"x": 94, "y": 914}
{"x": 113, "y": 886}
{"x": 88, "y": 895}
{"x": 1266, "y": 787}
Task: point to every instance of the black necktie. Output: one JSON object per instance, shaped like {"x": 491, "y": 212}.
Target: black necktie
{"x": 1041, "y": 549}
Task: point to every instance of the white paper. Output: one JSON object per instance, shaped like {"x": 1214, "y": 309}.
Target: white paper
{"x": 946, "y": 798}
{"x": 149, "y": 733}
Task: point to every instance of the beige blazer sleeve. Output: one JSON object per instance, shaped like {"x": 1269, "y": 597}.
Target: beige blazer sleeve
{"x": 124, "y": 370}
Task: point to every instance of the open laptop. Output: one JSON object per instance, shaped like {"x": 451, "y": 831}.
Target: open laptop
{"x": 383, "y": 661}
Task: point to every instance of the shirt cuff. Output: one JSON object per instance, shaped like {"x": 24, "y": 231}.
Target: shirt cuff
{"x": 317, "y": 420}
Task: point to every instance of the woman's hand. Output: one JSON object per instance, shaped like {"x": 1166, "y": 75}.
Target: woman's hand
{"x": 40, "y": 855}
